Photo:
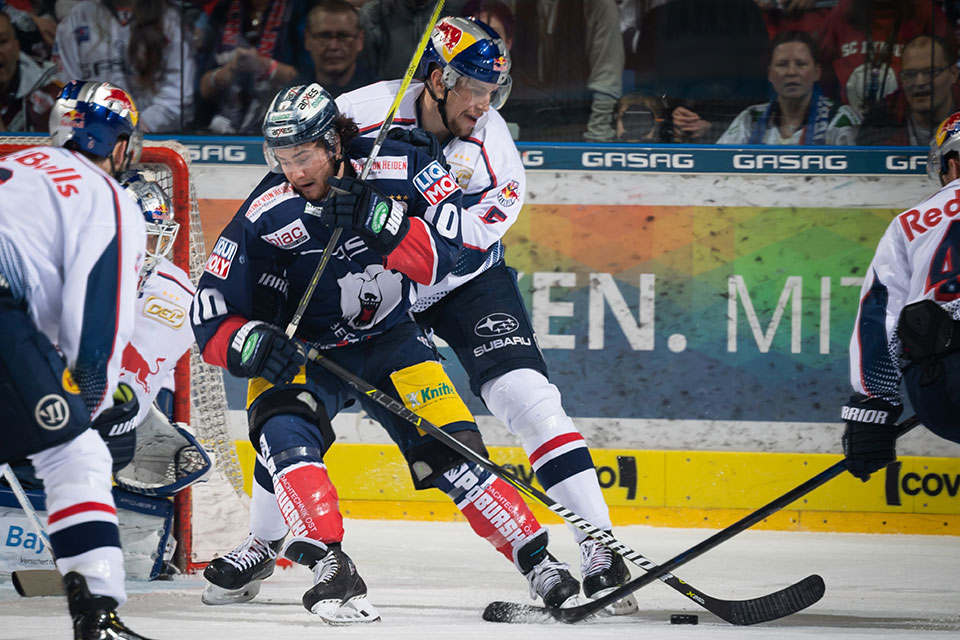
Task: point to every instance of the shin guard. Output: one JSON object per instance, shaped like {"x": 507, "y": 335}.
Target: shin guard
{"x": 493, "y": 507}
{"x": 308, "y": 501}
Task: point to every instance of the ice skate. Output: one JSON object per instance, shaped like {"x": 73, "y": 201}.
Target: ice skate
{"x": 94, "y": 617}
{"x": 236, "y": 576}
{"x": 338, "y": 595}
{"x": 603, "y": 571}
{"x": 548, "y": 578}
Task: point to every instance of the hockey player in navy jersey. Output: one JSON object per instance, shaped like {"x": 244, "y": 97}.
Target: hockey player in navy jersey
{"x": 466, "y": 78}
{"x": 908, "y": 323}
{"x": 71, "y": 246}
{"x": 401, "y": 227}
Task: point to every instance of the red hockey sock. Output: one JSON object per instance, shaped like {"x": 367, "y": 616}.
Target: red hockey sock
{"x": 308, "y": 502}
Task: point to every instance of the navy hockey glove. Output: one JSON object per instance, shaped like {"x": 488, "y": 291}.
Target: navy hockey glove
{"x": 870, "y": 439}
{"x": 423, "y": 140}
{"x": 117, "y": 426}
{"x": 258, "y": 349}
{"x": 380, "y": 221}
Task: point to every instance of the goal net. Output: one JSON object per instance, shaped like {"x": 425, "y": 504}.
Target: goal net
{"x": 211, "y": 516}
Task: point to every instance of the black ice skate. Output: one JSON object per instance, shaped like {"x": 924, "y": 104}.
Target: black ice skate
{"x": 236, "y": 576}
{"x": 338, "y": 595}
{"x": 548, "y": 578}
{"x": 603, "y": 571}
{"x": 94, "y": 617}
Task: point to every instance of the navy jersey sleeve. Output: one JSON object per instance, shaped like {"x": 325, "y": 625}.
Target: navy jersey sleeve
{"x": 429, "y": 250}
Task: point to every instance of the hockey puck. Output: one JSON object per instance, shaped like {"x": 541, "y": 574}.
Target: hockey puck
{"x": 684, "y": 618}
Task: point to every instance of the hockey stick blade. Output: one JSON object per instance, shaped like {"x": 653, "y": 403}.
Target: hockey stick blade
{"x": 787, "y": 601}
{"x": 31, "y": 583}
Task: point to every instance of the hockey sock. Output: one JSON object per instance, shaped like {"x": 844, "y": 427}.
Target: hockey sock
{"x": 308, "y": 501}
{"x": 266, "y": 520}
{"x": 493, "y": 508}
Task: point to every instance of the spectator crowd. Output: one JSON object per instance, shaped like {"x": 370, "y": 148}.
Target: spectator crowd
{"x": 830, "y": 72}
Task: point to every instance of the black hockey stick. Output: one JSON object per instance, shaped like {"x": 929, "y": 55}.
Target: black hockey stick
{"x": 377, "y": 143}
{"x": 793, "y": 597}
{"x": 776, "y": 605}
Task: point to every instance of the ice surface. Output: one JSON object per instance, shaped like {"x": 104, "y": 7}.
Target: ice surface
{"x": 430, "y": 581}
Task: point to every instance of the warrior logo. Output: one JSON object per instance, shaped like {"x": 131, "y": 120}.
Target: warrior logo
{"x": 52, "y": 412}
{"x": 367, "y": 298}
{"x": 136, "y": 365}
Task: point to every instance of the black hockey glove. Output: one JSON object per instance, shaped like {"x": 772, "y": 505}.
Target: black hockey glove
{"x": 258, "y": 349}
{"x": 380, "y": 221}
{"x": 870, "y": 439}
{"x": 423, "y": 140}
{"x": 118, "y": 428}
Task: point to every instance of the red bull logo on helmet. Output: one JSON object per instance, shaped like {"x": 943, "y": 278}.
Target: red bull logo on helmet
{"x": 119, "y": 101}
{"x": 449, "y": 35}
{"x": 947, "y": 128}
{"x": 72, "y": 118}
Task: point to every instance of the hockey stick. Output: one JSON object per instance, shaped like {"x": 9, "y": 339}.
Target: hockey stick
{"x": 378, "y": 142}
{"x": 769, "y": 607}
{"x": 790, "y": 597}
{"x": 33, "y": 582}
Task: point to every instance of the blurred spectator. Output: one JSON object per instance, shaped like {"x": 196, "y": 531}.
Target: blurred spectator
{"x": 27, "y": 89}
{"x": 798, "y": 113}
{"x": 862, "y": 42}
{"x": 139, "y": 49}
{"x": 393, "y": 29}
{"x": 928, "y": 74}
{"x": 334, "y": 40}
{"x": 250, "y": 50}
{"x": 571, "y": 53}
{"x": 795, "y": 15}
{"x": 34, "y": 25}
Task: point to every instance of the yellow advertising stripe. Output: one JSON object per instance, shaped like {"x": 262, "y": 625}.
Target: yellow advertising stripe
{"x": 682, "y": 489}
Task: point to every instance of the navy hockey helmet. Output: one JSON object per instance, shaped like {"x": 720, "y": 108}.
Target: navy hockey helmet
{"x": 297, "y": 115}
{"x": 157, "y": 211}
{"x": 467, "y": 47}
{"x": 946, "y": 140}
{"x": 93, "y": 116}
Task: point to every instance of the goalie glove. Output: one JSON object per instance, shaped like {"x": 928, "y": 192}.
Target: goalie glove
{"x": 422, "y": 140}
{"x": 358, "y": 205}
{"x": 870, "y": 439}
{"x": 261, "y": 350}
{"x": 117, "y": 426}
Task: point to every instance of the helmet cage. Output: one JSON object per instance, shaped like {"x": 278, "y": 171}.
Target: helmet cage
{"x": 298, "y": 115}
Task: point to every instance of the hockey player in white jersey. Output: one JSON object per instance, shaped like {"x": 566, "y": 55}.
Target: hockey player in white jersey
{"x": 477, "y": 309}
{"x": 908, "y": 323}
{"x": 71, "y": 246}
{"x": 150, "y": 454}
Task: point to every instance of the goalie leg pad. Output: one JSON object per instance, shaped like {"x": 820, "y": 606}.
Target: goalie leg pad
{"x": 493, "y": 508}
{"x": 40, "y": 404}
{"x": 81, "y": 514}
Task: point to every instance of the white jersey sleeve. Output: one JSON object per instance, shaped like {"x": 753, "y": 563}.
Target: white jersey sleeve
{"x": 916, "y": 259}
{"x": 161, "y": 333}
{"x": 72, "y": 244}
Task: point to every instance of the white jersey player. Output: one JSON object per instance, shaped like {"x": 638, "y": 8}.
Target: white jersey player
{"x": 908, "y": 323}
{"x": 71, "y": 246}
{"x": 94, "y": 43}
{"x": 465, "y": 73}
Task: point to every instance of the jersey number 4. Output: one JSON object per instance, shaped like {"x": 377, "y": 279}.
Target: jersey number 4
{"x": 944, "y": 274}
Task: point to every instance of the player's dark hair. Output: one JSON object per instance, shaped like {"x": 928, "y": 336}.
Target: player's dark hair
{"x": 346, "y": 129}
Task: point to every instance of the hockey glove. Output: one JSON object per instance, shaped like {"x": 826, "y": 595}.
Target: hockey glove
{"x": 258, "y": 349}
{"x": 423, "y": 140}
{"x": 380, "y": 221}
{"x": 870, "y": 439}
{"x": 117, "y": 426}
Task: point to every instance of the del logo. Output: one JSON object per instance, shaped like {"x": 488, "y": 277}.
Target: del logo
{"x": 509, "y": 194}
{"x": 429, "y": 394}
{"x": 164, "y": 312}
{"x": 218, "y": 264}
{"x": 290, "y": 236}
{"x": 435, "y": 183}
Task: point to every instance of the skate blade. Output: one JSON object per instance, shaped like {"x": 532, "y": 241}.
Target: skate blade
{"x": 626, "y": 606}
{"x": 357, "y": 610}
{"x": 569, "y": 603}
{"x": 214, "y": 595}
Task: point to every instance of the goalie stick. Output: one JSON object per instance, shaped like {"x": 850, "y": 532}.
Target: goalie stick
{"x": 742, "y": 612}
{"x": 368, "y": 165}
{"x": 808, "y": 590}
{"x": 33, "y": 582}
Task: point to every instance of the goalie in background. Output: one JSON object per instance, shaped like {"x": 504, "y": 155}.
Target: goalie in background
{"x": 908, "y": 323}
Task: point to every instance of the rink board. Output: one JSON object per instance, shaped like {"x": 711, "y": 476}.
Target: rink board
{"x": 681, "y": 489}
